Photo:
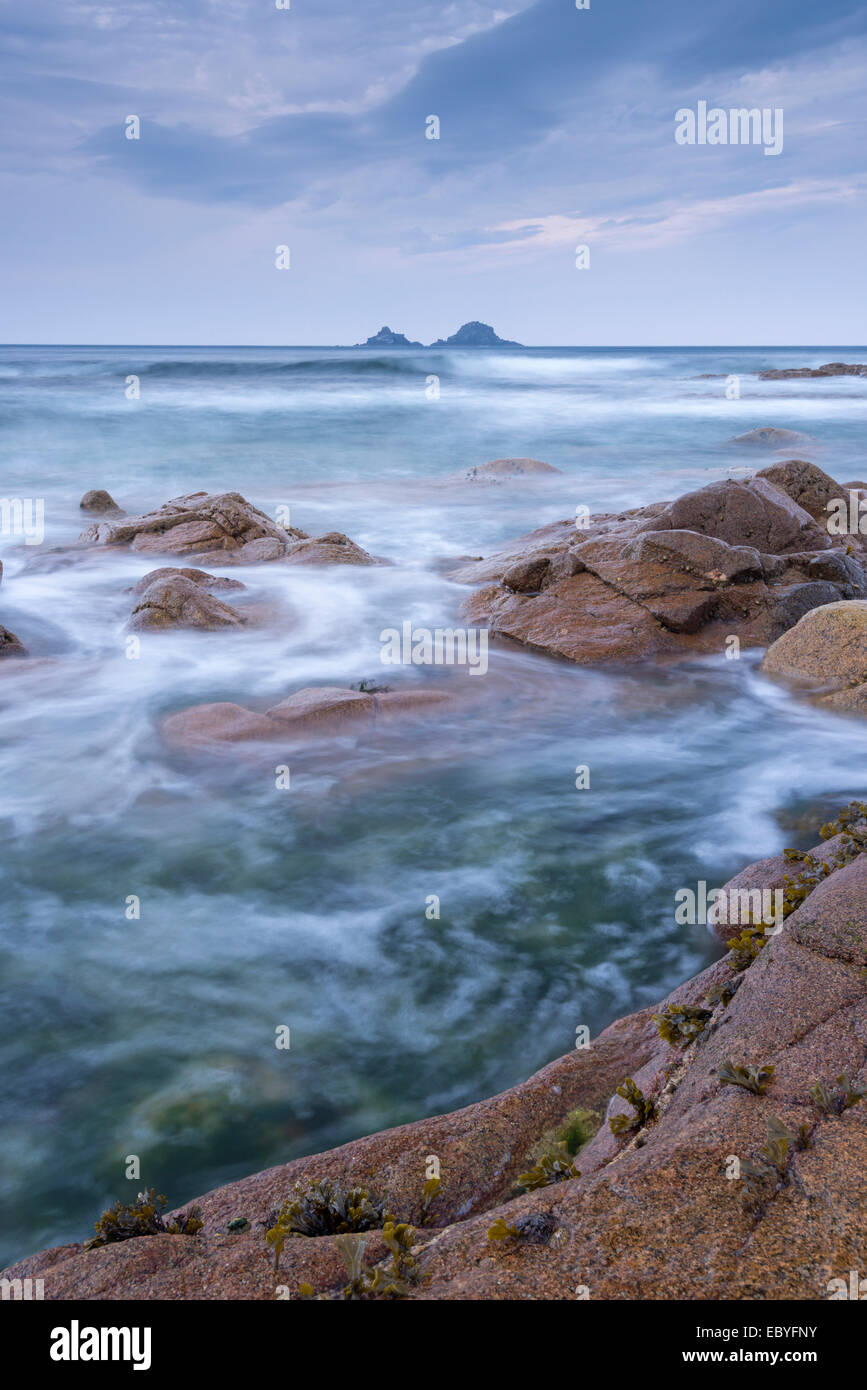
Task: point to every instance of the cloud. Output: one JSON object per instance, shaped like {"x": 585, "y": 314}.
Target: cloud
{"x": 556, "y": 124}
{"x": 663, "y": 225}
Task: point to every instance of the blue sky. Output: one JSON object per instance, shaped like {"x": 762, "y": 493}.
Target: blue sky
{"x": 306, "y": 127}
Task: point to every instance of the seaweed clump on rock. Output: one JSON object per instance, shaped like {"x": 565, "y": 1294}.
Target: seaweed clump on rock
{"x": 321, "y": 1208}
{"x": 143, "y": 1217}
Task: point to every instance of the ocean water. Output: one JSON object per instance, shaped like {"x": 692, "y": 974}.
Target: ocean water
{"x": 306, "y": 908}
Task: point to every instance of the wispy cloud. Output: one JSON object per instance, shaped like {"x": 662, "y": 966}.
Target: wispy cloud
{"x": 651, "y": 227}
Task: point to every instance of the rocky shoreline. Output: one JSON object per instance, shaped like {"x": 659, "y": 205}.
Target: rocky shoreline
{"x": 710, "y": 1147}
{"x": 654, "y": 1209}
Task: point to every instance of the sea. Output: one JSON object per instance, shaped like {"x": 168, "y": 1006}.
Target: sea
{"x": 426, "y": 915}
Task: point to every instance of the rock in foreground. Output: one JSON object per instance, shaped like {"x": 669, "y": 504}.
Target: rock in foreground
{"x": 734, "y": 559}
{"x": 826, "y": 652}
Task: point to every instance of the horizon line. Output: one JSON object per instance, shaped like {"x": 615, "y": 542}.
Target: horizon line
{"x": 427, "y": 347}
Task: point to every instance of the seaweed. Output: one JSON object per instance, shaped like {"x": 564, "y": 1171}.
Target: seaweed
{"x": 723, "y": 993}
{"x": 564, "y": 1140}
{"x": 501, "y": 1231}
{"x": 751, "y": 1078}
{"x": 681, "y": 1024}
{"x": 645, "y": 1110}
{"x": 577, "y": 1129}
{"x": 429, "y": 1194}
{"x": 143, "y": 1217}
{"x": 548, "y": 1170}
{"x": 835, "y": 1103}
{"x": 755, "y": 1183}
{"x": 399, "y": 1237}
{"x": 365, "y": 1284}
{"x": 849, "y": 817}
{"x": 798, "y": 1139}
{"x": 765, "y": 1177}
{"x": 746, "y": 947}
{"x": 370, "y": 687}
{"x": 851, "y": 826}
{"x": 324, "y": 1209}
{"x": 536, "y": 1228}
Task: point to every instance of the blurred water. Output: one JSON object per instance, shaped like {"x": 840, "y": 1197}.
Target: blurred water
{"x": 307, "y": 908}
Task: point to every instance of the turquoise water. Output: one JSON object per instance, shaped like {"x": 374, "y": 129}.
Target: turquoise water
{"x": 306, "y": 908}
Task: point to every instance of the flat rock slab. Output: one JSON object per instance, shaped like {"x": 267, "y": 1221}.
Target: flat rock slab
{"x": 829, "y": 369}
{"x": 316, "y": 712}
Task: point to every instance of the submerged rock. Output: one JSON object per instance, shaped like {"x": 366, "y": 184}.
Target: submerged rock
{"x": 325, "y": 709}
{"x": 322, "y": 711}
{"x": 511, "y": 469}
{"x": 222, "y": 722}
{"x": 829, "y": 369}
{"x": 768, "y": 437}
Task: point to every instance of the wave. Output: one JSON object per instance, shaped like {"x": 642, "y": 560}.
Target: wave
{"x": 312, "y": 366}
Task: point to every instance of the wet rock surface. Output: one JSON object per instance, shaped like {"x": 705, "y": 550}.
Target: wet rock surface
{"x": 170, "y": 599}
{"x": 10, "y": 645}
{"x": 826, "y": 653}
{"x": 316, "y": 712}
{"x": 829, "y": 369}
{"x": 98, "y": 502}
{"x": 221, "y": 528}
{"x": 734, "y": 559}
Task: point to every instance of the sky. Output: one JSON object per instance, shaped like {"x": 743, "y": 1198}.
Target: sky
{"x": 307, "y": 127}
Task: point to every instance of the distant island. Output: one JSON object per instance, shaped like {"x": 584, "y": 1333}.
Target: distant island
{"x": 385, "y": 338}
{"x": 473, "y": 334}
